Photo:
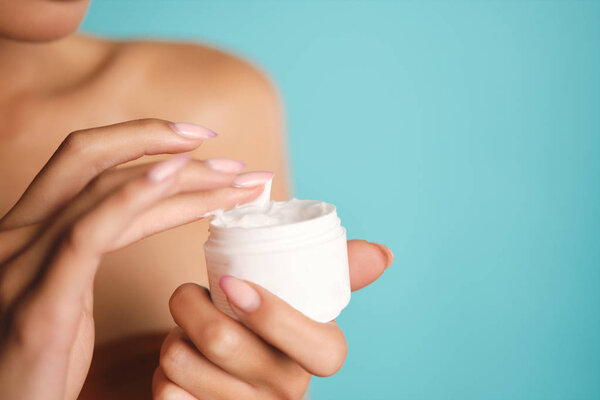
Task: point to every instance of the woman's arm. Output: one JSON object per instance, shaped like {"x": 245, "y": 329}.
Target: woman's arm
{"x": 77, "y": 209}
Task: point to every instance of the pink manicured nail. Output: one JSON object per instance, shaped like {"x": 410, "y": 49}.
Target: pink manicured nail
{"x": 192, "y": 130}
{"x": 225, "y": 165}
{"x": 167, "y": 168}
{"x": 250, "y": 179}
{"x": 388, "y": 254}
{"x": 239, "y": 293}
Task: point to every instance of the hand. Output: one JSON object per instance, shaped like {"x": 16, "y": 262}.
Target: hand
{"x": 270, "y": 354}
{"x": 76, "y": 209}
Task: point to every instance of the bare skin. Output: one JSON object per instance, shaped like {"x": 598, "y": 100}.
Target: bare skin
{"x": 56, "y": 84}
{"x": 171, "y": 81}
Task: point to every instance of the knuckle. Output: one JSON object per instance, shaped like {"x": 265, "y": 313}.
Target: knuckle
{"x": 74, "y": 142}
{"x": 172, "y": 357}
{"x": 81, "y": 142}
{"x": 221, "y": 340}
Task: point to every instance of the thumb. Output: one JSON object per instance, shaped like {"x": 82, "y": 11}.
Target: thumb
{"x": 367, "y": 262}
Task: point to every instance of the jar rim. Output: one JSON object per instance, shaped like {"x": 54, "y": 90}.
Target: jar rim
{"x": 331, "y": 210}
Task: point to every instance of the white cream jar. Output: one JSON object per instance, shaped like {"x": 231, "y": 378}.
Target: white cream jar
{"x": 295, "y": 249}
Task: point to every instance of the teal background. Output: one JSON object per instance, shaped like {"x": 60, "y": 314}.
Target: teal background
{"x": 466, "y": 135}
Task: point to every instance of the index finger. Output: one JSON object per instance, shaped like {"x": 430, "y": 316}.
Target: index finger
{"x": 86, "y": 153}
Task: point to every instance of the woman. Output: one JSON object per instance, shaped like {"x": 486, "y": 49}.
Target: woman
{"x": 96, "y": 110}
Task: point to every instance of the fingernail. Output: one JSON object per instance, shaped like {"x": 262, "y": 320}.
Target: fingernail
{"x": 249, "y": 179}
{"x": 239, "y": 293}
{"x": 190, "y": 130}
{"x": 387, "y": 253}
{"x": 167, "y": 168}
{"x": 225, "y": 165}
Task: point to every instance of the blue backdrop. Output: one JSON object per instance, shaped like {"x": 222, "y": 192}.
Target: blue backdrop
{"x": 466, "y": 135}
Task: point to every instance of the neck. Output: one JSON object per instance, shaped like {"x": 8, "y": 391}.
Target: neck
{"x": 43, "y": 67}
{"x": 26, "y": 66}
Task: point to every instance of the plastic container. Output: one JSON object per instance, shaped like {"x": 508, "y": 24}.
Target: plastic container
{"x": 304, "y": 262}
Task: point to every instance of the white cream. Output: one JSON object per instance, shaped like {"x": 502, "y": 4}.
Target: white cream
{"x": 272, "y": 214}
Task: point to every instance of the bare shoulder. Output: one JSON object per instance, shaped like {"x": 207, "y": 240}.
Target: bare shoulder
{"x": 194, "y": 74}
{"x": 201, "y": 84}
